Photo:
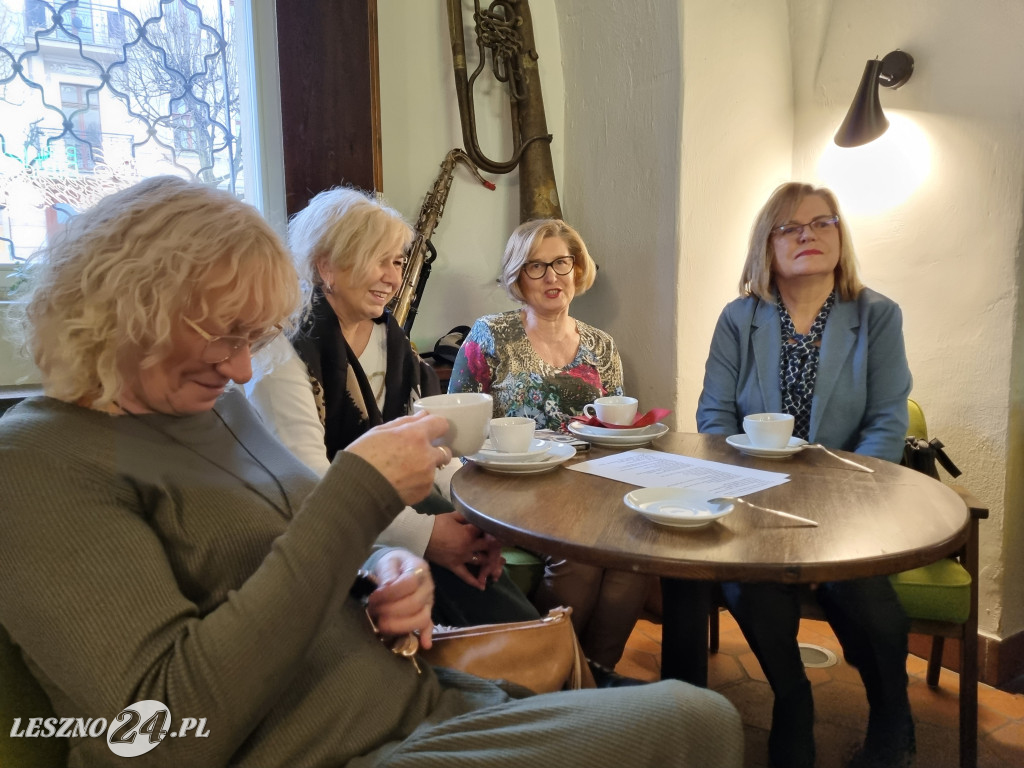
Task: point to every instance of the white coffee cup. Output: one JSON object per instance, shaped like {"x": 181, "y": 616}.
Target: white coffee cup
{"x": 468, "y": 414}
{"x": 512, "y": 434}
{"x": 768, "y": 430}
{"x": 615, "y": 409}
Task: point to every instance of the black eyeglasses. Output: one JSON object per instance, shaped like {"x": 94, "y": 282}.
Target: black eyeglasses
{"x": 535, "y": 270}
{"x": 221, "y": 348}
{"x": 821, "y": 224}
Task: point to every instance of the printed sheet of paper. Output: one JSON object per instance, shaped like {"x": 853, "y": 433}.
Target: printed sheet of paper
{"x": 648, "y": 468}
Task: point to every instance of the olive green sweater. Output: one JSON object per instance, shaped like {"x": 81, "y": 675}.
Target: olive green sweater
{"x": 154, "y": 557}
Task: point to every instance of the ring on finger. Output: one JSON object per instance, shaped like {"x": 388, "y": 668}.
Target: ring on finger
{"x": 446, "y": 455}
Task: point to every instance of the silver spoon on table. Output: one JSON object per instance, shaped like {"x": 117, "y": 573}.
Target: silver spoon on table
{"x": 780, "y": 513}
{"x": 853, "y": 464}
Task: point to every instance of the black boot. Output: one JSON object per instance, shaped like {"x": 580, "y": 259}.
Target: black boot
{"x": 889, "y": 743}
{"x": 609, "y": 678}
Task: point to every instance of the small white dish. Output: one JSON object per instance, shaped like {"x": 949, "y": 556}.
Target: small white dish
{"x": 535, "y": 452}
{"x": 621, "y": 438}
{"x": 557, "y": 453}
{"x": 676, "y": 507}
{"x": 742, "y": 444}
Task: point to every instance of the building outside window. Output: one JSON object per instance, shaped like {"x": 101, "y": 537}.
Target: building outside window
{"x": 95, "y": 96}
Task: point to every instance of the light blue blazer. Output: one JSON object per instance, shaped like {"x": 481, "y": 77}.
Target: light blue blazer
{"x": 862, "y": 385}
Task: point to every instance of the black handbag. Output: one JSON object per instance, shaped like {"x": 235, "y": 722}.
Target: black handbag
{"x": 923, "y": 455}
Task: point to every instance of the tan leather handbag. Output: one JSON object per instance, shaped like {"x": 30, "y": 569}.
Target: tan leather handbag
{"x": 542, "y": 655}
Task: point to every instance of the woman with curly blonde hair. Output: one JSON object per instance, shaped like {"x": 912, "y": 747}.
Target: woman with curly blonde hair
{"x": 160, "y": 545}
{"x": 113, "y": 284}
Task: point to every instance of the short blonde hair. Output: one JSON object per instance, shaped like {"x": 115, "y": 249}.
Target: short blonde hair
{"x": 115, "y": 284}
{"x": 525, "y": 240}
{"x": 349, "y": 229}
{"x": 757, "y": 279}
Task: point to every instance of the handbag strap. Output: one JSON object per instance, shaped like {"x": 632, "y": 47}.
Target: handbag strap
{"x": 942, "y": 458}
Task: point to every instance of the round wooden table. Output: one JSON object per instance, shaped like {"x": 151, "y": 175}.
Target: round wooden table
{"x": 869, "y": 524}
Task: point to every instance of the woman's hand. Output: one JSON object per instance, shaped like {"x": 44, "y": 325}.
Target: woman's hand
{"x": 456, "y": 544}
{"x": 404, "y": 596}
{"x": 401, "y": 450}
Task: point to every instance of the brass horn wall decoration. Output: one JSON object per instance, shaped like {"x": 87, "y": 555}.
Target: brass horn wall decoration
{"x": 505, "y": 29}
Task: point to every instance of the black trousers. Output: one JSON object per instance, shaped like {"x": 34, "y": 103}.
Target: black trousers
{"x": 457, "y": 604}
{"x": 871, "y": 626}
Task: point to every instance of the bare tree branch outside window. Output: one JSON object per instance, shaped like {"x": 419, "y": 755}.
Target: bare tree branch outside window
{"x": 95, "y": 96}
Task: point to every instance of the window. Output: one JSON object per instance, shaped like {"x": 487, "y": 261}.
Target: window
{"x": 95, "y": 96}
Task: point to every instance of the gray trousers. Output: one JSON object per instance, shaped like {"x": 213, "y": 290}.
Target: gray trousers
{"x": 666, "y": 724}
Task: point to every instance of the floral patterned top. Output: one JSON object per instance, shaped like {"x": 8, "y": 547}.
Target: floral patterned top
{"x": 498, "y": 358}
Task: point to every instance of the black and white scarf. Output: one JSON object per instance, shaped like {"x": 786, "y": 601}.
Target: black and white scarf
{"x": 347, "y": 404}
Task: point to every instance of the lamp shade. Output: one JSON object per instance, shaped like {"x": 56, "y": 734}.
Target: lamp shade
{"x": 865, "y": 121}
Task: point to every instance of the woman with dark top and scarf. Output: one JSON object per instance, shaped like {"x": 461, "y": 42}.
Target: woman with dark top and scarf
{"x": 807, "y": 338}
{"x": 160, "y": 545}
{"x": 353, "y": 368}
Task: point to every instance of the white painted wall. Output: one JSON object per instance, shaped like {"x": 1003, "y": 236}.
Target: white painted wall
{"x": 737, "y": 147}
{"x": 674, "y": 119}
{"x": 950, "y": 253}
{"x": 622, "y": 137}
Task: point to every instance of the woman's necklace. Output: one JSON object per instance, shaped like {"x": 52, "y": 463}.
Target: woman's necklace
{"x": 285, "y": 511}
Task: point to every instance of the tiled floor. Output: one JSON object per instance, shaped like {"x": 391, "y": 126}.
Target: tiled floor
{"x": 840, "y": 706}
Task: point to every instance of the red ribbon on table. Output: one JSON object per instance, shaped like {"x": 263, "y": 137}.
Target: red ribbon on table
{"x": 653, "y": 416}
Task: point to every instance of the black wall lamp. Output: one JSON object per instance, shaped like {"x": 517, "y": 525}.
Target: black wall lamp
{"x": 865, "y": 121}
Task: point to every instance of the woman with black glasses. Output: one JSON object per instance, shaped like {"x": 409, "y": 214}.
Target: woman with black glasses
{"x": 540, "y": 362}
{"x": 807, "y": 338}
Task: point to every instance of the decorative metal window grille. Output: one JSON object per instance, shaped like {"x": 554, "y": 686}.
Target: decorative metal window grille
{"x": 96, "y": 96}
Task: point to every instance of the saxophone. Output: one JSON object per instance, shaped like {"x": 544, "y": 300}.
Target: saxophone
{"x": 421, "y": 254}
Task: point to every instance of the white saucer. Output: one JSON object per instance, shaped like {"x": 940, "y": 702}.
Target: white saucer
{"x": 676, "y": 507}
{"x": 557, "y": 453}
{"x": 609, "y": 430}
{"x": 742, "y": 443}
{"x": 536, "y": 451}
{"x": 621, "y": 438}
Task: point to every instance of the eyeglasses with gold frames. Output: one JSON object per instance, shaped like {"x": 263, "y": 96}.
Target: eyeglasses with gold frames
{"x": 221, "y": 348}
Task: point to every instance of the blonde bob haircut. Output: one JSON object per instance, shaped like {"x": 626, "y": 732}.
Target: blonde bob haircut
{"x": 349, "y": 229}
{"x": 107, "y": 296}
{"x": 525, "y": 240}
{"x": 757, "y": 279}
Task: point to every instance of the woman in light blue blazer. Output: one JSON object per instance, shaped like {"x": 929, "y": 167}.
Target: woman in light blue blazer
{"x": 807, "y": 338}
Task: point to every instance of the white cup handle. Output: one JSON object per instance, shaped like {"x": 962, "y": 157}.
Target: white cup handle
{"x": 588, "y": 410}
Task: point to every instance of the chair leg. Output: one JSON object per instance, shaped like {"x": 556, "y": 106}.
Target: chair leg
{"x": 969, "y": 657}
{"x": 935, "y": 661}
{"x": 969, "y": 698}
{"x": 713, "y": 629}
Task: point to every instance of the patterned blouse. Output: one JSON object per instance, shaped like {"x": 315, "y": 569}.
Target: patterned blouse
{"x": 498, "y": 358}
{"x": 798, "y": 364}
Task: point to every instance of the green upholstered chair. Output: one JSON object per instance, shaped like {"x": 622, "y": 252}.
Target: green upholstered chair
{"x": 941, "y": 600}
{"x": 21, "y": 696}
{"x": 524, "y": 568}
